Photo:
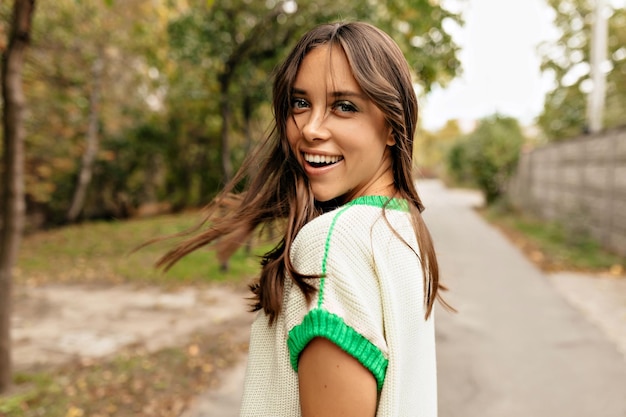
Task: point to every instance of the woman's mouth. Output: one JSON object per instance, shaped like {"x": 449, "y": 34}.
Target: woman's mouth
{"x": 320, "y": 161}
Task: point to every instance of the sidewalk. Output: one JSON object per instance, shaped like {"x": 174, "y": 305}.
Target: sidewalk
{"x": 516, "y": 347}
{"x": 522, "y": 344}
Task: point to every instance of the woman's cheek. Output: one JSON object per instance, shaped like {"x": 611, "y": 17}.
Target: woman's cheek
{"x": 292, "y": 132}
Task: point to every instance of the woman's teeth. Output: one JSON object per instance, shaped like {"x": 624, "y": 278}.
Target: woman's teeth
{"x": 321, "y": 160}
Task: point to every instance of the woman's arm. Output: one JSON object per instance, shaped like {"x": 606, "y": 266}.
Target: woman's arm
{"x": 333, "y": 383}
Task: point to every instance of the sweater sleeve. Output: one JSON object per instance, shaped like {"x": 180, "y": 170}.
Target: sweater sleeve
{"x": 347, "y": 307}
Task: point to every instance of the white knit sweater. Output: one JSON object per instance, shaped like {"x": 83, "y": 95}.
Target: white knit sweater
{"x": 370, "y": 302}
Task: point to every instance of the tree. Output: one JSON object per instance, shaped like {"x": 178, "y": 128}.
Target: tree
{"x": 94, "y": 73}
{"x": 184, "y": 91}
{"x": 567, "y": 59}
{"x": 431, "y": 148}
{"x": 488, "y": 155}
{"x": 12, "y": 184}
{"x": 91, "y": 141}
{"x": 229, "y": 38}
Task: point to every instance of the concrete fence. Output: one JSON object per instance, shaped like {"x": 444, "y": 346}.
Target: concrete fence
{"x": 580, "y": 183}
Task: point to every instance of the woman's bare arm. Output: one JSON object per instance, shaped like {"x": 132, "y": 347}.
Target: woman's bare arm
{"x": 333, "y": 383}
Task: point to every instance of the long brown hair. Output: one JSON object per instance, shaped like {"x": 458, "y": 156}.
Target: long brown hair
{"x": 278, "y": 191}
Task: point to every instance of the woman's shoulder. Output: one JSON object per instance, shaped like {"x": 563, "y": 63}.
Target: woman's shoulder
{"x": 353, "y": 221}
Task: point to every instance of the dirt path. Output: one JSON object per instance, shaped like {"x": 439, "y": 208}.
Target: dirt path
{"x": 55, "y": 324}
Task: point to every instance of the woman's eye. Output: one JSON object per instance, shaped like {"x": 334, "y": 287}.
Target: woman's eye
{"x": 345, "y": 107}
{"x": 299, "y": 103}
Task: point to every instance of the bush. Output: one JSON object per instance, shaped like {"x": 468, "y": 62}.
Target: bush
{"x": 458, "y": 164}
{"x": 487, "y": 157}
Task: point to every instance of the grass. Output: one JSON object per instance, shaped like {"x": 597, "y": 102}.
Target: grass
{"x": 101, "y": 252}
{"x": 134, "y": 383}
{"x": 551, "y": 246}
{"x": 162, "y": 383}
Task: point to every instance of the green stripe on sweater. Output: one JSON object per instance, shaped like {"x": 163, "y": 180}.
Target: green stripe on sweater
{"x": 366, "y": 200}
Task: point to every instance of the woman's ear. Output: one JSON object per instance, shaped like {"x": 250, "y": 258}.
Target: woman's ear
{"x": 391, "y": 138}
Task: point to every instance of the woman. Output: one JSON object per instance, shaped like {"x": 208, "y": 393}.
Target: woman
{"x": 345, "y": 300}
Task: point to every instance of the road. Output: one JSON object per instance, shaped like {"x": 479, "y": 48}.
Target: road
{"x": 515, "y": 347}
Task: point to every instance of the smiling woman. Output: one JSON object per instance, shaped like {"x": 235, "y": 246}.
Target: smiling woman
{"x": 345, "y": 298}
{"x": 340, "y": 137}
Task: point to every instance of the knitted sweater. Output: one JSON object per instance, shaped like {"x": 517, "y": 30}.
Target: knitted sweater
{"x": 369, "y": 302}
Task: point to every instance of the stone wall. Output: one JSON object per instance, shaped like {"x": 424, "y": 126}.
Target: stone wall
{"x": 581, "y": 183}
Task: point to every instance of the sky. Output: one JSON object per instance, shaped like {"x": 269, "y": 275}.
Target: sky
{"x": 500, "y": 63}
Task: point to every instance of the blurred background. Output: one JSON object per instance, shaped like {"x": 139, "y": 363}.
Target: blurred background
{"x": 137, "y": 112}
{"x": 142, "y": 106}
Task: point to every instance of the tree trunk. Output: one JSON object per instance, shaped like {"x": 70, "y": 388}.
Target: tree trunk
{"x": 247, "y": 109}
{"x": 227, "y": 168}
{"x": 12, "y": 183}
{"x": 91, "y": 142}
{"x": 247, "y": 130}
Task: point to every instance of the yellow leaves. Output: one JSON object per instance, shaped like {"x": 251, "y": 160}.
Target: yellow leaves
{"x": 44, "y": 171}
{"x": 76, "y": 389}
{"x": 106, "y": 155}
{"x": 193, "y": 350}
{"x": 70, "y": 390}
{"x": 81, "y": 384}
{"x": 147, "y": 364}
{"x": 63, "y": 164}
{"x": 616, "y": 270}
{"x": 138, "y": 382}
{"x": 75, "y": 412}
{"x": 537, "y": 256}
{"x": 39, "y": 191}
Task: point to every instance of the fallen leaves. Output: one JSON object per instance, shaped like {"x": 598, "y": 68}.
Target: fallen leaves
{"x": 136, "y": 383}
{"x": 75, "y": 412}
{"x": 616, "y": 270}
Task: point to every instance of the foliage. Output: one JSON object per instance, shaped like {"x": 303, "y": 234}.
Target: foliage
{"x": 567, "y": 60}
{"x": 458, "y": 164}
{"x": 69, "y": 36}
{"x": 487, "y": 156}
{"x": 185, "y": 90}
{"x": 241, "y": 41}
{"x": 210, "y": 36}
{"x": 553, "y": 246}
{"x": 431, "y": 148}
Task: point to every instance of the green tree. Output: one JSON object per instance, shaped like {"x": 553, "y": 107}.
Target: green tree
{"x": 240, "y": 41}
{"x": 567, "y": 59}
{"x": 488, "y": 156}
{"x": 89, "y": 79}
{"x": 156, "y": 98}
{"x": 431, "y": 148}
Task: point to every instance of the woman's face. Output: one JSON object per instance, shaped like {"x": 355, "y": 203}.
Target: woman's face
{"x": 338, "y": 135}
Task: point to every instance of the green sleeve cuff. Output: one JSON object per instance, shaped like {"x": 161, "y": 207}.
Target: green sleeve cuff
{"x": 321, "y": 323}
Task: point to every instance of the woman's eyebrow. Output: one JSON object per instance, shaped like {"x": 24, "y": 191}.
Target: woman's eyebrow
{"x": 346, "y": 94}
{"x": 334, "y": 94}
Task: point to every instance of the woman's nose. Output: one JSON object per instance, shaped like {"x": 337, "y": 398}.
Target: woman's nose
{"x": 315, "y": 127}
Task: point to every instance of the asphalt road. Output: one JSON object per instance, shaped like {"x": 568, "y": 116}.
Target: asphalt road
{"x": 515, "y": 347}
